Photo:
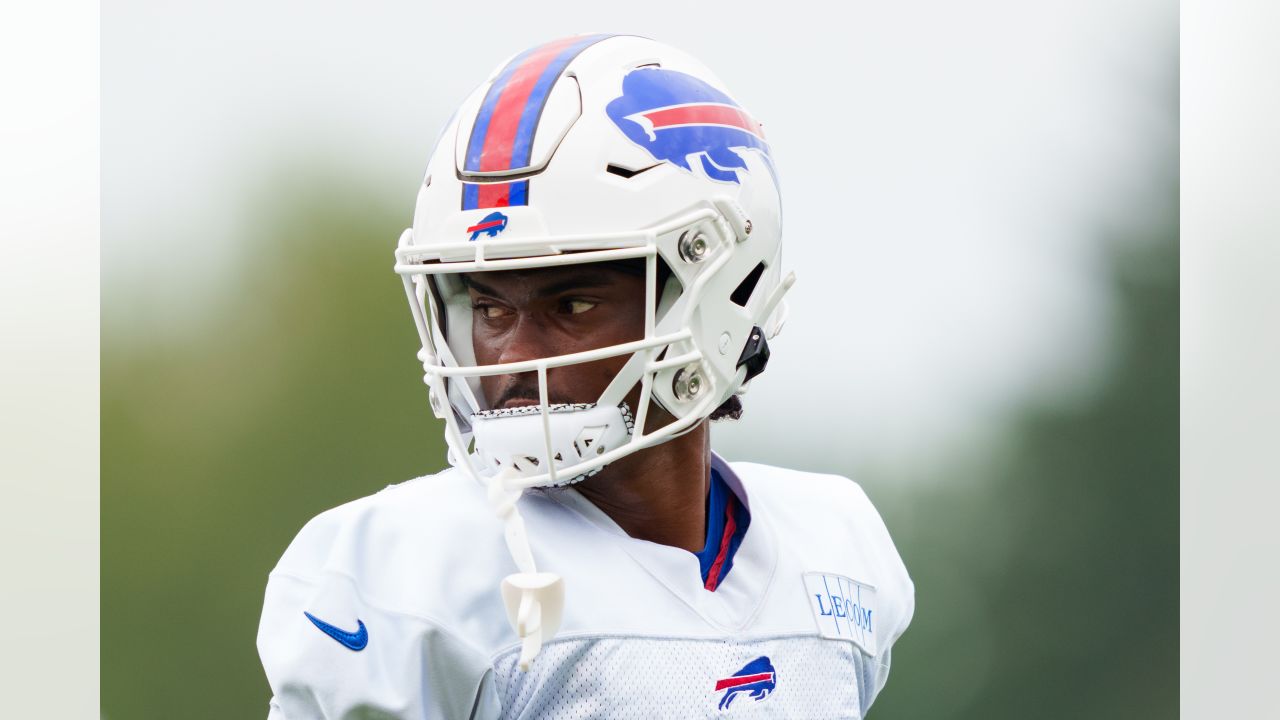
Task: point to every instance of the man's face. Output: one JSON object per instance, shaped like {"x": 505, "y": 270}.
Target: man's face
{"x": 528, "y": 314}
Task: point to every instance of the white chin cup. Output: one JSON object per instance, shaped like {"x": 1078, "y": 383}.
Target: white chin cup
{"x": 575, "y": 433}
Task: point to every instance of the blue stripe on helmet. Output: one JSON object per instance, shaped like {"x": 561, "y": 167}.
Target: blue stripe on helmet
{"x": 470, "y": 196}
{"x": 519, "y": 193}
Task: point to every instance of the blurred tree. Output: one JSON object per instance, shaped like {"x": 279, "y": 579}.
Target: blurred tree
{"x": 1047, "y": 575}
{"x": 297, "y": 392}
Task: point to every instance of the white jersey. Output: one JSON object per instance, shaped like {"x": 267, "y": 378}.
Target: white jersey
{"x": 388, "y": 607}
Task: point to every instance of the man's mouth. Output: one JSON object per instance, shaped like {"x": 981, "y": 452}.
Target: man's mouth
{"x": 516, "y": 395}
{"x": 518, "y": 402}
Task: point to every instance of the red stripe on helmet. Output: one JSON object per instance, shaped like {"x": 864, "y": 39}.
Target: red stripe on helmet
{"x": 494, "y": 195}
{"x": 500, "y": 137}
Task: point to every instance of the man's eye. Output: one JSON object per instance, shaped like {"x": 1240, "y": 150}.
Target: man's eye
{"x": 576, "y": 307}
{"x": 489, "y": 312}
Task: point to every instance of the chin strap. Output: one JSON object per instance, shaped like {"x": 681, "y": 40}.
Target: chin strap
{"x": 534, "y": 600}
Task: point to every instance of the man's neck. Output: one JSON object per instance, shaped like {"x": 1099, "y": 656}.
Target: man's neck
{"x": 659, "y": 494}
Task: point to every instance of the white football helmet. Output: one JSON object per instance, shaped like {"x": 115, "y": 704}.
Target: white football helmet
{"x": 589, "y": 149}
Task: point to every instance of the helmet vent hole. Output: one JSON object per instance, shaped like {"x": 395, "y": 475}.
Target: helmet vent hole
{"x": 742, "y": 293}
{"x": 624, "y": 172}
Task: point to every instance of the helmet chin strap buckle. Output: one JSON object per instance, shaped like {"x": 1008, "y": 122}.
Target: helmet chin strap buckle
{"x": 534, "y": 600}
{"x": 535, "y": 606}
{"x": 755, "y": 354}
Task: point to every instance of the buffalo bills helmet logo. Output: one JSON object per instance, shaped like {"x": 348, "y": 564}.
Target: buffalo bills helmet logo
{"x": 676, "y": 116}
{"x": 491, "y": 225}
{"x": 757, "y": 679}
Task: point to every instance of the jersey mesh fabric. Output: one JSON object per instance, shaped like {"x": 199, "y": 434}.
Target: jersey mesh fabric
{"x": 642, "y": 677}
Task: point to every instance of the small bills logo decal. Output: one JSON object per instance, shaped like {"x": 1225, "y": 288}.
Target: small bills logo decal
{"x": 491, "y": 225}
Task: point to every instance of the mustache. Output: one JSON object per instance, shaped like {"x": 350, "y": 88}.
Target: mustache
{"x": 525, "y": 393}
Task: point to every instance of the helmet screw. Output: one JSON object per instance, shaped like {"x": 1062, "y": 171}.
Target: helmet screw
{"x": 746, "y": 227}
{"x": 693, "y": 247}
{"x": 688, "y": 384}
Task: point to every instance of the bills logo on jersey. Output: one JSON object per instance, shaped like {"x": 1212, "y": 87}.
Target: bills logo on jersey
{"x": 676, "y": 116}
{"x": 491, "y": 225}
{"x": 844, "y": 608}
{"x": 756, "y": 679}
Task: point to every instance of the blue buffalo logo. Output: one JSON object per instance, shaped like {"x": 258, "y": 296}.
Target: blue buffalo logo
{"x": 677, "y": 116}
{"x": 757, "y": 679}
{"x": 491, "y": 225}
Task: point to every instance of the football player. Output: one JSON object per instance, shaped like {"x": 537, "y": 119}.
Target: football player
{"x": 594, "y": 272}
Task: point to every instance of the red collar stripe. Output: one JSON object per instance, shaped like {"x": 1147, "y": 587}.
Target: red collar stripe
{"x": 730, "y": 525}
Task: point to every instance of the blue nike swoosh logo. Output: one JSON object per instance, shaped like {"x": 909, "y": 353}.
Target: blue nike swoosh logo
{"x": 354, "y": 640}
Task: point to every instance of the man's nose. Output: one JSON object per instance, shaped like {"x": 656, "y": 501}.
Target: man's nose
{"x": 528, "y": 340}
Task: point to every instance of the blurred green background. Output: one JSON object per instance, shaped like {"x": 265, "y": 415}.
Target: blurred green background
{"x": 1045, "y": 562}
{"x": 1012, "y": 209}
